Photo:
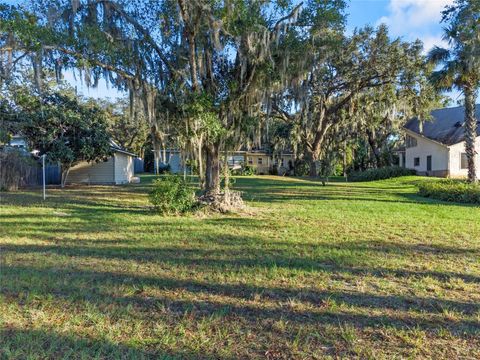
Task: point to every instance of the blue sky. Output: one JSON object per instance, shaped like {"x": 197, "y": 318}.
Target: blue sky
{"x": 408, "y": 19}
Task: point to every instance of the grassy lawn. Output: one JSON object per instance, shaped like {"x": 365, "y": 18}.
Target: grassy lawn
{"x": 358, "y": 270}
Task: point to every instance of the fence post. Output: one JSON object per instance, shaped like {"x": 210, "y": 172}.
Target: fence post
{"x": 43, "y": 173}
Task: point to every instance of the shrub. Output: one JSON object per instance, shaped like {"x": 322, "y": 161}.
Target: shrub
{"x": 244, "y": 171}
{"x": 171, "y": 194}
{"x": 15, "y": 167}
{"x": 450, "y": 190}
{"x": 380, "y": 174}
{"x": 302, "y": 168}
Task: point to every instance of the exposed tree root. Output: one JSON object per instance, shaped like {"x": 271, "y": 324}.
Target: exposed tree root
{"x": 227, "y": 201}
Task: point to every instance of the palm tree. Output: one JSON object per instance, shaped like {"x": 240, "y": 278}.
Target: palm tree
{"x": 461, "y": 66}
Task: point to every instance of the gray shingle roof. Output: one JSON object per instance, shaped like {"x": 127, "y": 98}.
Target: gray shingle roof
{"x": 116, "y": 148}
{"x": 446, "y": 126}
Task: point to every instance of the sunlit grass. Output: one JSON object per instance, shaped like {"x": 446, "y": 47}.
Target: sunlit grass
{"x": 364, "y": 270}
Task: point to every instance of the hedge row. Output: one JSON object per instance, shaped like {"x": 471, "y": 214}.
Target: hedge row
{"x": 380, "y": 174}
{"x": 450, "y": 190}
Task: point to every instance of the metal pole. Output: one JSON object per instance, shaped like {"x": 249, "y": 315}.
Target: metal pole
{"x": 185, "y": 167}
{"x": 43, "y": 171}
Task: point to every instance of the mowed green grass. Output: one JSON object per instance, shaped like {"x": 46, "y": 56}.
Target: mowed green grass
{"x": 349, "y": 270}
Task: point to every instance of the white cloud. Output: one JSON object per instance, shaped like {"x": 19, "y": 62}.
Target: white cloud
{"x": 416, "y": 19}
{"x": 429, "y": 41}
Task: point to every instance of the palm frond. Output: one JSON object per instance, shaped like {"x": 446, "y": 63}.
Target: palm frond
{"x": 444, "y": 79}
{"x": 438, "y": 55}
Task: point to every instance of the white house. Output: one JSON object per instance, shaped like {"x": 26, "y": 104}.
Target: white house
{"x": 437, "y": 147}
{"x": 117, "y": 169}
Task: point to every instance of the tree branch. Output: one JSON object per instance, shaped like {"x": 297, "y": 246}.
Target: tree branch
{"x": 138, "y": 27}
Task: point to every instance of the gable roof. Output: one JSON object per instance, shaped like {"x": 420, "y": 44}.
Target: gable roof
{"x": 446, "y": 126}
{"x": 116, "y": 148}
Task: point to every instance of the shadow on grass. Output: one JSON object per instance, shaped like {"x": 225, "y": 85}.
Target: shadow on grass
{"x": 42, "y": 344}
{"x": 257, "y": 189}
{"x": 106, "y": 288}
{"x": 331, "y": 258}
{"x": 304, "y": 189}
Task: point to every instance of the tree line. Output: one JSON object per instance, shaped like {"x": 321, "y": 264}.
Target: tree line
{"x": 212, "y": 76}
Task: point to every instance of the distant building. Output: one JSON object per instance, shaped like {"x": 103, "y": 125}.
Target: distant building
{"x": 18, "y": 141}
{"x": 260, "y": 161}
{"x": 437, "y": 147}
{"x": 266, "y": 163}
{"x": 117, "y": 169}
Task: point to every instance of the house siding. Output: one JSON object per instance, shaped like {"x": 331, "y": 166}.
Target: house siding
{"x": 92, "y": 173}
{"x": 455, "y": 159}
{"x": 424, "y": 148}
{"x": 252, "y": 160}
{"x": 123, "y": 169}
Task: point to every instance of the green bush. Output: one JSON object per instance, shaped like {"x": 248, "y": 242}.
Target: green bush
{"x": 171, "y": 194}
{"x": 15, "y": 167}
{"x": 450, "y": 190}
{"x": 380, "y": 174}
{"x": 244, "y": 171}
{"x": 302, "y": 168}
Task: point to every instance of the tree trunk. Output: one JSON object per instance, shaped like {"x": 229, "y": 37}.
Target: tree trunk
{"x": 156, "y": 154}
{"x": 212, "y": 169}
{"x": 201, "y": 174}
{"x": 65, "y": 171}
{"x": 313, "y": 152}
{"x": 312, "y": 160}
{"x": 373, "y": 146}
{"x": 470, "y": 132}
{"x": 226, "y": 172}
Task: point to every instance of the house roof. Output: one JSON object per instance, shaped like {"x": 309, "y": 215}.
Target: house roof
{"x": 116, "y": 148}
{"x": 446, "y": 126}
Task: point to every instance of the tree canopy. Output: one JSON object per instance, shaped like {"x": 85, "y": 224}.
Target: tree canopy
{"x": 213, "y": 76}
{"x": 62, "y": 128}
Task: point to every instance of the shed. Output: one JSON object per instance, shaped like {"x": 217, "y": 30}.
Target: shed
{"x": 117, "y": 169}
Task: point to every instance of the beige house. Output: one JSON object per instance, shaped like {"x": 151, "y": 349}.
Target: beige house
{"x": 264, "y": 163}
{"x": 117, "y": 169}
{"x": 437, "y": 147}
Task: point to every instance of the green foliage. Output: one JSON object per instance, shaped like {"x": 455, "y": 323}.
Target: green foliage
{"x": 171, "y": 194}
{"x": 192, "y": 164}
{"x": 127, "y": 127}
{"x": 301, "y": 168}
{"x": 202, "y": 108}
{"x": 229, "y": 180}
{"x": 380, "y": 174}
{"x": 246, "y": 171}
{"x": 451, "y": 190}
{"x": 63, "y": 128}
{"x": 15, "y": 166}
{"x": 356, "y": 89}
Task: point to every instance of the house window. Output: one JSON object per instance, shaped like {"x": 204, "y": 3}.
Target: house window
{"x": 463, "y": 161}
{"x": 250, "y": 161}
{"x": 410, "y": 141}
{"x": 260, "y": 161}
{"x": 416, "y": 161}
